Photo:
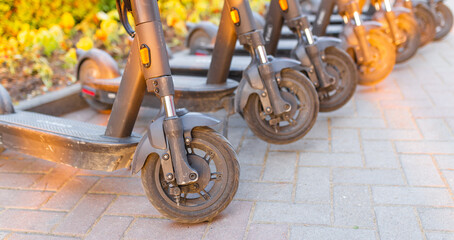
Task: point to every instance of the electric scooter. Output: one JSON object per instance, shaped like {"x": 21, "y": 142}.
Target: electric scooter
{"x": 443, "y": 16}
{"x": 279, "y": 103}
{"x": 329, "y": 67}
{"x": 189, "y": 172}
{"x": 400, "y": 25}
{"x": 369, "y": 46}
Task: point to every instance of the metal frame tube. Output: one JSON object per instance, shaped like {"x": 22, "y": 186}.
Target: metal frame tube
{"x": 323, "y": 17}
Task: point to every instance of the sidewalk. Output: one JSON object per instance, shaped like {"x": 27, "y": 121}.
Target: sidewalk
{"x": 380, "y": 168}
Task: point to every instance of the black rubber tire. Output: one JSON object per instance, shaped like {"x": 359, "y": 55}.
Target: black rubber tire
{"x": 340, "y": 60}
{"x": 6, "y": 105}
{"x": 90, "y": 69}
{"x": 408, "y": 24}
{"x": 251, "y": 112}
{"x": 444, "y": 12}
{"x": 197, "y": 40}
{"x": 385, "y": 59}
{"x": 426, "y": 22}
{"x": 212, "y": 139}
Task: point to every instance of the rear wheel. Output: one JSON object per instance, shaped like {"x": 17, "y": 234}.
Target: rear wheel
{"x": 408, "y": 25}
{"x": 445, "y": 19}
{"x": 299, "y": 91}
{"x": 88, "y": 71}
{"x": 340, "y": 66}
{"x": 215, "y": 161}
{"x": 426, "y": 22}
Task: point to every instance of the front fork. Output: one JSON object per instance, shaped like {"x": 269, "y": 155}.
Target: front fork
{"x": 397, "y": 35}
{"x": 156, "y": 71}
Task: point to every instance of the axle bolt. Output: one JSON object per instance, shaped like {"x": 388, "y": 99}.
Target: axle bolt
{"x": 169, "y": 176}
{"x": 268, "y": 109}
{"x": 156, "y": 90}
{"x": 323, "y": 57}
{"x": 287, "y": 107}
{"x": 264, "y": 94}
{"x": 192, "y": 176}
{"x": 165, "y": 156}
{"x": 155, "y": 83}
{"x": 187, "y": 140}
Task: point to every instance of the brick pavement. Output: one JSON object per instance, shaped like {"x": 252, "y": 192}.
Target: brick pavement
{"x": 380, "y": 168}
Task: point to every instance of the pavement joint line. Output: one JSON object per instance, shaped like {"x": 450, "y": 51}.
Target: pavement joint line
{"x": 374, "y": 214}
{"x": 332, "y": 217}
{"x": 100, "y": 216}
{"x": 295, "y": 177}
{"x": 418, "y": 219}
{"x": 265, "y": 159}
{"x": 399, "y": 163}
{"x": 128, "y": 228}
{"x": 249, "y": 221}
{"x": 206, "y": 231}
{"x": 443, "y": 178}
{"x": 330, "y": 135}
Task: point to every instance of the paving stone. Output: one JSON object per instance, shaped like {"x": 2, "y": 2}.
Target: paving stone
{"x": 268, "y": 231}
{"x": 84, "y": 215}
{"x": 345, "y": 140}
{"x": 368, "y": 109}
{"x": 29, "y": 220}
{"x": 434, "y": 129}
{"x": 348, "y": 110}
{"x": 164, "y": 229}
{"x": 390, "y": 134}
{"x": 425, "y": 147}
{"x": 313, "y": 185}
{"x": 353, "y": 216}
{"x": 303, "y": 145}
{"x": 19, "y": 164}
{"x": 445, "y": 161}
{"x": 250, "y": 172}
{"x": 319, "y": 130}
{"x": 23, "y": 199}
{"x": 358, "y": 123}
{"x": 412, "y": 196}
{"x": 133, "y": 206}
{"x": 3, "y": 234}
{"x": 121, "y": 185}
{"x": 331, "y": 159}
{"x": 379, "y": 154}
{"x": 235, "y": 136}
{"x": 399, "y": 118}
{"x": 437, "y": 218}
{"x": 351, "y": 196}
{"x": 420, "y": 170}
{"x": 232, "y": 222}
{"x": 71, "y": 193}
{"x": 18, "y": 180}
{"x": 368, "y": 176}
{"x": 439, "y": 236}
{"x": 56, "y": 178}
{"x": 398, "y": 223}
{"x": 449, "y": 176}
{"x": 252, "y": 152}
{"x": 273, "y": 212}
{"x": 280, "y": 167}
{"x": 29, "y": 236}
{"x": 317, "y": 233}
{"x": 264, "y": 191}
{"x": 110, "y": 227}
{"x": 433, "y": 112}
{"x": 405, "y": 104}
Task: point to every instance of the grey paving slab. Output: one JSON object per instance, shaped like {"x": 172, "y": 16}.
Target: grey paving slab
{"x": 317, "y": 233}
{"x": 250, "y": 172}
{"x": 399, "y": 118}
{"x": 3, "y": 234}
{"x": 313, "y": 185}
{"x": 412, "y": 196}
{"x": 353, "y": 216}
{"x": 252, "y": 152}
{"x": 331, "y": 159}
{"x": 380, "y": 154}
{"x": 390, "y": 134}
{"x": 425, "y": 147}
{"x": 319, "y": 130}
{"x": 368, "y": 109}
{"x": 449, "y": 176}
{"x": 420, "y": 170}
{"x": 280, "y": 167}
{"x": 368, "y": 176}
{"x": 268, "y": 231}
{"x": 437, "y": 218}
{"x": 445, "y": 161}
{"x": 398, "y": 223}
{"x": 345, "y": 140}
{"x": 272, "y": 212}
{"x": 304, "y": 145}
{"x": 338, "y": 122}
{"x": 440, "y": 235}
{"x": 352, "y": 195}
{"x": 264, "y": 191}
{"x": 434, "y": 129}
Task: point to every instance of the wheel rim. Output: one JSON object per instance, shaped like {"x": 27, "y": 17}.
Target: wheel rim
{"x": 209, "y": 190}
{"x": 337, "y": 69}
{"x": 298, "y": 118}
{"x": 380, "y": 54}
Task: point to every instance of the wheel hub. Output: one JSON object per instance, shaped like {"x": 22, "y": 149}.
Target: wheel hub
{"x": 203, "y": 169}
{"x": 288, "y": 97}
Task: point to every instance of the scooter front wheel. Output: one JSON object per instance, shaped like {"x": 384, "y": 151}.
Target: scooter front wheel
{"x": 340, "y": 66}
{"x": 408, "y": 25}
{"x": 215, "y": 160}
{"x": 445, "y": 20}
{"x": 384, "y": 57}
{"x": 299, "y": 91}
{"x": 426, "y": 22}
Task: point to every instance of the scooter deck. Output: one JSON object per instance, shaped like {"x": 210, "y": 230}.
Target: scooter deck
{"x": 78, "y": 144}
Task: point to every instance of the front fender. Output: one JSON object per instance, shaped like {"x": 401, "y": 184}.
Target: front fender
{"x": 154, "y": 142}
{"x": 208, "y": 27}
{"x": 325, "y": 42}
{"x": 401, "y": 10}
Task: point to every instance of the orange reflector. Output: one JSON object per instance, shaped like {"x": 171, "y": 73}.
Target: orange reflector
{"x": 283, "y": 4}
{"x": 145, "y": 55}
{"x": 235, "y": 15}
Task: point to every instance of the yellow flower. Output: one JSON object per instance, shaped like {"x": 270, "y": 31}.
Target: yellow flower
{"x": 67, "y": 21}
{"x": 85, "y": 43}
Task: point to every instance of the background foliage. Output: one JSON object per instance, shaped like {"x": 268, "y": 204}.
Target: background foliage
{"x": 38, "y": 38}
